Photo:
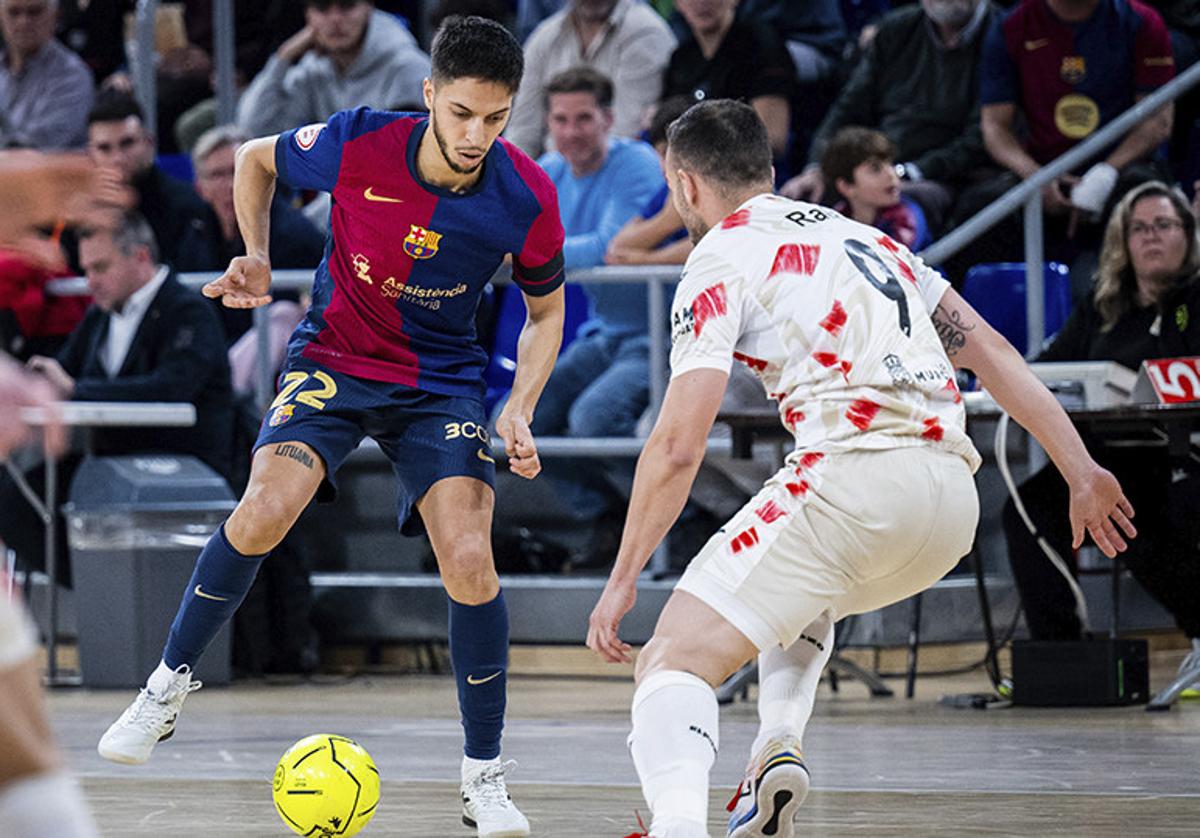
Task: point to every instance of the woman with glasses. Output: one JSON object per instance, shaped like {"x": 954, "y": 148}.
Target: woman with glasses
{"x": 1145, "y": 304}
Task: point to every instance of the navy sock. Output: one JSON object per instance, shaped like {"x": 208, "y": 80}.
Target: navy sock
{"x": 219, "y": 583}
{"x": 479, "y": 655}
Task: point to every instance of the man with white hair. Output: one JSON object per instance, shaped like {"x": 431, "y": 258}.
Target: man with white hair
{"x": 45, "y": 89}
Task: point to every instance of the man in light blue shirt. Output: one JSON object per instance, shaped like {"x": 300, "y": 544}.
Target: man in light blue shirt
{"x": 601, "y": 383}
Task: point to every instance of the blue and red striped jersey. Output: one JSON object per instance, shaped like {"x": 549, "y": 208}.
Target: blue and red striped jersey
{"x": 394, "y": 298}
{"x": 1068, "y": 79}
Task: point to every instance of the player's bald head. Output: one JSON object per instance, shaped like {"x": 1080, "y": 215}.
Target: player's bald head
{"x": 725, "y": 143}
{"x": 476, "y": 48}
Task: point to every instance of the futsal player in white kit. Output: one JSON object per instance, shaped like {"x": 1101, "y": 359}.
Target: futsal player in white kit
{"x": 857, "y": 340}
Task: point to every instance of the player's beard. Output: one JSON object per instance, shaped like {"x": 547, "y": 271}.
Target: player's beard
{"x": 695, "y": 225}
{"x": 445, "y": 151}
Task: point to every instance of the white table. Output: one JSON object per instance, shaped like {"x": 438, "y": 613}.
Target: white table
{"x": 84, "y": 415}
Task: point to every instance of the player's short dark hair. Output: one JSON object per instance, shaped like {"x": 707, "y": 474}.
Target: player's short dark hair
{"x": 114, "y": 106}
{"x": 724, "y": 142}
{"x": 476, "y": 48}
{"x": 129, "y": 230}
{"x": 668, "y": 111}
{"x": 850, "y": 148}
{"x": 582, "y": 80}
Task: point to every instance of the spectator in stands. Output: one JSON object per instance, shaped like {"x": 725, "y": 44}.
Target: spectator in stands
{"x": 601, "y": 383}
{"x": 1144, "y": 306}
{"x": 918, "y": 83}
{"x": 146, "y": 338}
{"x": 95, "y": 31}
{"x": 118, "y": 140}
{"x": 728, "y": 58}
{"x": 812, "y": 29}
{"x": 532, "y": 12}
{"x": 624, "y": 40}
{"x": 1066, "y": 68}
{"x": 859, "y": 165}
{"x": 348, "y": 54}
{"x": 45, "y": 89}
{"x": 656, "y": 236}
{"x": 213, "y": 240}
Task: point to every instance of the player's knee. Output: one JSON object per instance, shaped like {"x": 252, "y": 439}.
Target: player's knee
{"x": 467, "y": 571}
{"x": 259, "y": 523}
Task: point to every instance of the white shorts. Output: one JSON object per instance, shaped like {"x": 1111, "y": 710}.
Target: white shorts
{"x": 846, "y": 532}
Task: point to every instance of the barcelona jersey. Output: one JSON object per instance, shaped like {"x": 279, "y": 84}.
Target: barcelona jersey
{"x": 394, "y": 298}
{"x": 1069, "y": 79}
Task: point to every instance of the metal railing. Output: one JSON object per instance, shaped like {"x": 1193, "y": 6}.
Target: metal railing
{"x": 1029, "y": 195}
{"x": 145, "y": 62}
{"x": 655, "y": 277}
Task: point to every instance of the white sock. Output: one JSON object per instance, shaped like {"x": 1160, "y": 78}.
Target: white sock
{"x": 1196, "y": 645}
{"x": 162, "y": 678}
{"x": 674, "y": 743}
{"x": 788, "y": 680}
{"x": 45, "y": 806}
{"x": 471, "y": 767}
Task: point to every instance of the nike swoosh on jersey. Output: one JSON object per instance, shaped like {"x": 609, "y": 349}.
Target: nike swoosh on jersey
{"x": 473, "y": 681}
{"x": 371, "y": 196}
{"x": 203, "y": 595}
{"x": 1030, "y": 46}
{"x": 483, "y": 455}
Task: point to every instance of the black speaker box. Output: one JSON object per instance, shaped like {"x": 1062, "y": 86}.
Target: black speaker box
{"x": 1080, "y": 673}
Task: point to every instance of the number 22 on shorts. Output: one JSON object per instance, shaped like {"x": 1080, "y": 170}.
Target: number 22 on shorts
{"x": 315, "y": 397}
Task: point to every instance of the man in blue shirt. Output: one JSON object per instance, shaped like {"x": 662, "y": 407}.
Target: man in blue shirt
{"x": 601, "y": 384}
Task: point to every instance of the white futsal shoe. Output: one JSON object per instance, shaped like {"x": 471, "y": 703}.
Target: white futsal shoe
{"x": 487, "y": 805}
{"x": 148, "y": 721}
{"x": 768, "y": 799}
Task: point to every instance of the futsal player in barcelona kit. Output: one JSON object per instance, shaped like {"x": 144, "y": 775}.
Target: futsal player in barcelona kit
{"x": 425, "y": 209}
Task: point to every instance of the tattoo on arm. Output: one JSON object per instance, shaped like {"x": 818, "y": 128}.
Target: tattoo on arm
{"x": 295, "y": 452}
{"x": 951, "y": 329}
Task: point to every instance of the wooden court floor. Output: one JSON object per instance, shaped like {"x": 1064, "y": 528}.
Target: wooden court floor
{"x": 880, "y": 766}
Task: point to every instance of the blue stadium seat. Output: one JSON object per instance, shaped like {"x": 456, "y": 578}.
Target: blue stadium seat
{"x": 997, "y": 291}
{"x": 178, "y": 166}
{"x": 510, "y": 319}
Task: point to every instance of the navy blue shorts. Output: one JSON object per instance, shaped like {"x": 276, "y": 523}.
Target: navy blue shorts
{"x": 427, "y": 436}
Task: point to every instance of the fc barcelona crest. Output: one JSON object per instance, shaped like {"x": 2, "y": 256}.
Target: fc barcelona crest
{"x": 421, "y": 243}
{"x": 281, "y": 414}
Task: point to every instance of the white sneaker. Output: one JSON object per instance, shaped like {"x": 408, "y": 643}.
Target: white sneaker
{"x": 487, "y": 806}
{"x": 768, "y": 800}
{"x": 148, "y": 721}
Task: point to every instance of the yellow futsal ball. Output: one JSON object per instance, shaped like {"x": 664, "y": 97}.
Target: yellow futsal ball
{"x": 326, "y": 785}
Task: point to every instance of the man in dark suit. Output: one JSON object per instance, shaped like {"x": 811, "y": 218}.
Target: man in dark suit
{"x": 146, "y": 338}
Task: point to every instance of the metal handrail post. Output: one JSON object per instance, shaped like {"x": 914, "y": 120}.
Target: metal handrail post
{"x": 145, "y": 64}
{"x": 223, "y": 61}
{"x": 264, "y": 375}
{"x": 656, "y": 311}
{"x": 1035, "y": 277}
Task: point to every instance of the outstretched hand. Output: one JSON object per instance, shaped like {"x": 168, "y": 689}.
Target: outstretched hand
{"x": 1099, "y": 507}
{"x": 243, "y": 285}
{"x": 518, "y": 445}
{"x": 616, "y": 601}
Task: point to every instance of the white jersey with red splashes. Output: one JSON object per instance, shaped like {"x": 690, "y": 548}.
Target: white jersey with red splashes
{"x": 834, "y": 319}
